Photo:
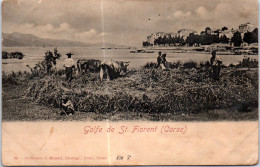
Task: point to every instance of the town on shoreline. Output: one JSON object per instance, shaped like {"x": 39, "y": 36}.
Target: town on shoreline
{"x": 243, "y": 40}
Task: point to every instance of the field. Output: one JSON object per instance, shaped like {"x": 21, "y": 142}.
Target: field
{"x": 181, "y": 93}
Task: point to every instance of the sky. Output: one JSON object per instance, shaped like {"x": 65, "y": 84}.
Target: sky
{"x": 124, "y": 22}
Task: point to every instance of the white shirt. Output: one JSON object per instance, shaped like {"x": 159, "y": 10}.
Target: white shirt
{"x": 68, "y": 105}
{"x": 68, "y": 62}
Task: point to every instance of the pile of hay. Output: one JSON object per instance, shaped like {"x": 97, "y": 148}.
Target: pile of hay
{"x": 150, "y": 90}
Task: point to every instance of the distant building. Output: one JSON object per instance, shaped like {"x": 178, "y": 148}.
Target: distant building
{"x": 185, "y": 33}
{"x": 227, "y": 33}
{"x": 173, "y": 34}
{"x": 243, "y": 28}
{"x": 151, "y": 38}
{"x": 160, "y": 34}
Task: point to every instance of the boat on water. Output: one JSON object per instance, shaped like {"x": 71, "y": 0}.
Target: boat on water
{"x": 106, "y": 48}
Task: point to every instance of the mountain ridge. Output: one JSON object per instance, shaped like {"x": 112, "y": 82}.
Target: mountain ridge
{"x": 17, "y": 39}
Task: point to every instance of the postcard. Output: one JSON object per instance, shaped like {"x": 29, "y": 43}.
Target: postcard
{"x": 129, "y": 82}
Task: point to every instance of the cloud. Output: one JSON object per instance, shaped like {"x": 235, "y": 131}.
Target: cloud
{"x": 63, "y": 31}
{"x": 202, "y": 12}
{"x": 180, "y": 14}
{"x": 91, "y": 35}
{"x": 122, "y": 22}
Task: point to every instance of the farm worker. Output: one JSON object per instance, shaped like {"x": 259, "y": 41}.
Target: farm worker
{"x": 67, "y": 106}
{"x": 215, "y": 62}
{"x": 69, "y": 65}
{"x": 49, "y": 61}
{"x": 159, "y": 59}
{"x": 163, "y": 60}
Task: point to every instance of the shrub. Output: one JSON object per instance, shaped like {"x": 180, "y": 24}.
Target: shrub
{"x": 5, "y": 55}
{"x": 12, "y": 55}
{"x": 190, "y": 64}
{"x": 248, "y": 62}
{"x": 17, "y": 55}
{"x": 150, "y": 65}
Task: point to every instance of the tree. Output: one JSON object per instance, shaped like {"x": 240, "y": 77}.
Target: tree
{"x": 182, "y": 41}
{"x": 237, "y": 39}
{"x": 223, "y": 39}
{"x": 50, "y": 59}
{"x": 206, "y": 39}
{"x": 207, "y": 30}
{"x": 174, "y": 40}
{"x": 215, "y": 38}
{"x": 156, "y": 42}
{"x": 251, "y": 37}
{"x": 145, "y": 43}
{"x": 160, "y": 41}
{"x": 255, "y": 35}
{"x": 248, "y": 37}
{"x": 224, "y": 28}
{"x": 169, "y": 40}
{"x": 164, "y": 40}
{"x": 5, "y": 55}
{"x": 191, "y": 39}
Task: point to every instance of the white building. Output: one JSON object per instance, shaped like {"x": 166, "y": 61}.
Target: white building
{"x": 243, "y": 28}
{"x": 228, "y": 33}
{"x": 185, "y": 33}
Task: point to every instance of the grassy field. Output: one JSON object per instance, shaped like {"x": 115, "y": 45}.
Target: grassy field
{"x": 177, "y": 94}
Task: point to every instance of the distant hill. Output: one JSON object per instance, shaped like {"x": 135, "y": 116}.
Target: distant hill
{"x": 17, "y": 39}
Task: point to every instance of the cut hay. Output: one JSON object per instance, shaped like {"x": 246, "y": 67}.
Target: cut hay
{"x": 150, "y": 90}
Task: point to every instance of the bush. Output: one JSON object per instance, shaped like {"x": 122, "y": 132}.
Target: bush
{"x": 248, "y": 62}
{"x": 12, "y": 55}
{"x": 190, "y": 64}
{"x": 205, "y": 64}
{"x": 17, "y": 55}
{"x": 5, "y": 55}
{"x": 150, "y": 65}
{"x": 170, "y": 65}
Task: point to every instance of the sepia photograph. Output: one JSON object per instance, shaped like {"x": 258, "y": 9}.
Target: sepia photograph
{"x": 98, "y": 60}
{"x": 121, "y": 61}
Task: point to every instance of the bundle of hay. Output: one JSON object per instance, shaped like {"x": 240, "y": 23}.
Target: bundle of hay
{"x": 149, "y": 90}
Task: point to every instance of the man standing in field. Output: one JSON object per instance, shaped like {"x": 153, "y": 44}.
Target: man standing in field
{"x": 69, "y": 65}
{"x": 163, "y": 59}
{"x": 215, "y": 63}
{"x": 159, "y": 59}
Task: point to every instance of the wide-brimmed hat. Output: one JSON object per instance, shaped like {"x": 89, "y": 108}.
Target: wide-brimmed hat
{"x": 69, "y": 54}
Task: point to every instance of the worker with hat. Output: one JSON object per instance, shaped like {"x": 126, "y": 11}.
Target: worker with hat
{"x": 69, "y": 65}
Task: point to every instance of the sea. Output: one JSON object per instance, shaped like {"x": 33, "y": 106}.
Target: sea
{"x": 137, "y": 60}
